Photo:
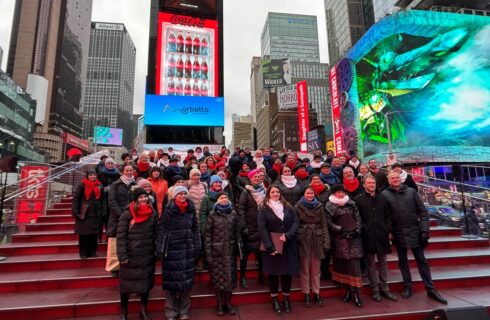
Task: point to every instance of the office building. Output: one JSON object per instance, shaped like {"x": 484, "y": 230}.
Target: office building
{"x": 383, "y": 8}
{"x": 242, "y": 131}
{"x": 51, "y": 39}
{"x": 1, "y": 58}
{"x": 256, "y": 87}
{"x": 347, "y": 21}
{"x": 476, "y": 7}
{"x": 109, "y": 92}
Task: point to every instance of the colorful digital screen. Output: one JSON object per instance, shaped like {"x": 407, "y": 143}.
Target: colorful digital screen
{"x": 109, "y": 136}
{"x": 275, "y": 72}
{"x": 187, "y": 56}
{"x": 201, "y": 6}
{"x": 421, "y": 86}
{"x": 184, "y": 111}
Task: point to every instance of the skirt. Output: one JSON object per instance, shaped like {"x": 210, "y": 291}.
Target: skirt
{"x": 347, "y": 272}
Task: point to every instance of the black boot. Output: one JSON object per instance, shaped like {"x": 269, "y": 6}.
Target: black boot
{"x": 229, "y": 308}
{"x": 124, "y": 313}
{"x": 144, "y": 315}
{"x": 357, "y": 298}
{"x": 387, "y": 294}
{"x": 407, "y": 292}
{"x": 318, "y": 299}
{"x": 275, "y": 305}
{"x": 219, "y": 301}
{"x": 375, "y": 295}
{"x": 307, "y": 300}
{"x": 347, "y": 295}
{"x": 286, "y": 303}
{"x": 263, "y": 279}
{"x": 243, "y": 283}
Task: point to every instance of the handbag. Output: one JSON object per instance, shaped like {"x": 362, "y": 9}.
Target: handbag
{"x": 165, "y": 242}
{"x": 83, "y": 210}
{"x": 276, "y": 242}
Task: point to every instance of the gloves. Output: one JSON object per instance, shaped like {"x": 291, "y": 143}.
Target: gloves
{"x": 346, "y": 234}
{"x": 350, "y": 234}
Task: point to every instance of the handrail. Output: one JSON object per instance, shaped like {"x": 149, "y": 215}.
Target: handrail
{"x": 452, "y": 192}
{"x": 449, "y": 181}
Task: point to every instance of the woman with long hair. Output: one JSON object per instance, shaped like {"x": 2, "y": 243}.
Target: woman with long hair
{"x": 278, "y": 226}
{"x": 289, "y": 186}
{"x": 159, "y": 186}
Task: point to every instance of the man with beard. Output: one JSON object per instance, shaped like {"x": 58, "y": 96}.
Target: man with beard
{"x": 381, "y": 180}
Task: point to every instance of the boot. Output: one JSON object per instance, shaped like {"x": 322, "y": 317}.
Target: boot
{"x": 347, "y": 295}
{"x": 434, "y": 294}
{"x": 263, "y": 279}
{"x": 243, "y": 283}
{"x": 219, "y": 301}
{"x": 318, "y": 299}
{"x": 307, "y": 300}
{"x": 357, "y": 298}
{"x": 407, "y": 292}
{"x": 375, "y": 294}
{"x": 388, "y": 295}
{"x": 275, "y": 305}
{"x": 286, "y": 303}
{"x": 229, "y": 308}
{"x": 124, "y": 313}
{"x": 144, "y": 315}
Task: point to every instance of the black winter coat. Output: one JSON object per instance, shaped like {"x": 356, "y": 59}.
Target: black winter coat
{"x": 286, "y": 263}
{"x": 291, "y": 195}
{"x": 409, "y": 216}
{"x": 313, "y": 231}
{"x": 222, "y": 241}
{"x": 381, "y": 180}
{"x": 136, "y": 243}
{"x": 376, "y": 223}
{"x": 93, "y": 218}
{"x": 342, "y": 247}
{"x": 324, "y": 195}
{"x": 119, "y": 197}
{"x": 248, "y": 211}
{"x": 107, "y": 179}
{"x": 179, "y": 239}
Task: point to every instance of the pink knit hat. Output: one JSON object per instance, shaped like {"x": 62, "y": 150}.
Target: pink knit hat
{"x": 253, "y": 173}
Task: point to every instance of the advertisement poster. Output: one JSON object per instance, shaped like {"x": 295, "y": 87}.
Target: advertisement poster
{"x": 303, "y": 121}
{"x": 109, "y": 136}
{"x": 275, "y": 72}
{"x": 32, "y": 203}
{"x": 187, "y": 56}
{"x": 287, "y": 97}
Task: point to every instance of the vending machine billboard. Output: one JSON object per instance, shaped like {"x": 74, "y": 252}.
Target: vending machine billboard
{"x": 187, "y": 56}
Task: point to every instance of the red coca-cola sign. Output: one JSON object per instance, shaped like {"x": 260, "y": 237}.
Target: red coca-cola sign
{"x": 187, "y": 21}
{"x": 32, "y": 203}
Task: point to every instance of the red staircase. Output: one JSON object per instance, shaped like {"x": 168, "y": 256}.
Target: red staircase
{"x": 44, "y": 278}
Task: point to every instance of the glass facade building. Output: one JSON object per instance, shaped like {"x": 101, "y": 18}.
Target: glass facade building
{"x": 109, "y": 92}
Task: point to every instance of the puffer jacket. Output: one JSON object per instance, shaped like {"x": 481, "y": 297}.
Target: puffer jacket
{"x": 342, "y": 247}
{"x": 136, "y": 243}
{"x": 248, "y": 211}
{"x": 207, "y": 206}
{"x": 312, "y": 231}
{"x": 179, "y": 242}
{"x": 120, "y": 195}
{"x": 223, "y": 241}
{"x": 409, "y": 216}
{"x": 197, "y": 192}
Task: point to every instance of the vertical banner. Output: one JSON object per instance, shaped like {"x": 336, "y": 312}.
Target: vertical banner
{"x": 304, "y": 125}
{"x": 32, "y": 203}
{"x": 335, "y": 98}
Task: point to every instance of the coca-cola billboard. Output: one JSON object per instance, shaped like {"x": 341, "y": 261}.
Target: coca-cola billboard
{"x": 187, "y": 56}
{"x": 208, "y": 7}
{"x": 287, "y": 97}
{"x": 32, "y": 203}
{"x": 303, "y": 121}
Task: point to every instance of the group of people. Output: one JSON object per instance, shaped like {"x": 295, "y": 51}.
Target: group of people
{"x": 330, "y": 217}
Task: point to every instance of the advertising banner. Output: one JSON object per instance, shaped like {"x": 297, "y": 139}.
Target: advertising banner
{"x": 187, "y": 56}
{"x": 200, "y": 6}
{"x": 75, "y": 141}
{"x": 316, "y": 140}
{"x": 109, "y": 136}
{"x": 275, "y": 72}
{"x": 287, "y": 97}
{"x": 32, "y": 204}
{"x": 303, "y": 121}
{"x": 184, "y": 111}
{"x": 335, "y": 98}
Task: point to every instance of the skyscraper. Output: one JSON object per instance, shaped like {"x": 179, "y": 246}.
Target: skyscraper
{"x": 51, "y": 39}
{"x": 347, "y": 21}
{"x": 109, "y": 92}
{"x": 382, "y": 8}
{"x": 477, "y": 7}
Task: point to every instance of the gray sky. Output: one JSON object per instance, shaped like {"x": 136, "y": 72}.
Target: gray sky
{"x": 243, "y": 23}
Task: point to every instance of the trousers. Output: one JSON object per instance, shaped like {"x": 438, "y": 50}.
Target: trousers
{"x": 422, "y": 265}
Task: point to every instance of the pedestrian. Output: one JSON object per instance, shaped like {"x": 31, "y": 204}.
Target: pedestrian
{"x": 345, "y": 225}
{"x": 410, "y": 231}
{"x": 205, "y": 173}
{"x": 223, "y": 242}
{"x": 136, "y": 237}
{"x": 289, "y": 186}
{"x": 375, "y": 235}
{"x": 313, "y": 242}
{"x": 197, "y": 189}
{"x": 159, "y": 186}
{"x": 179, "y": 243}
{"x": 107, "y": 175}
{"x": 87, "y": 210}
{"x": 144, "y": 166}
{"x": 278, "y": 226}
{"x": 328, "y": 176}
{"x": 381, "y": 179}
{"x": 152, "y": 197}
{"x": 242, "y": 178}
{"x": 405, "y": 177}
{"x": 363, "y": 171}
{"x": 351, "y": 184}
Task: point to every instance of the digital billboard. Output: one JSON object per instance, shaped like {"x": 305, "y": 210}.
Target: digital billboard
{"x": 275, "y": 72}
{"x": 184, "y": 111}
{"x": 199, "y": 6}
{"x": 106, "y": 135}
{"x": 187, "y": 56}
{"x": 416, "y": 84}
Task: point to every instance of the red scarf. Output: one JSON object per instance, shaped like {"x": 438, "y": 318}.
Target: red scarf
{"x": 91, "y": 187}
{"x": 351, "y": 185}
{"x": 217, "y": 157}
{"x": 301, "y": 173}
{"x": 211, "y": 166}
{"x": 145, "y": 211}
{"x": 291, "y": 164}
{"x": 182, "y": 206}
{"x": 277, "y": 168}
{"x": 143, "y": 166}
{"x": 318, "y": 188}
{"x": 243, "y": 174}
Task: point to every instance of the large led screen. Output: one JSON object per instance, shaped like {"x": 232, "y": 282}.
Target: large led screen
{"x": 106, "y": 135}
{"x": 187, "y": 56}
{"x": 419, "y": 80}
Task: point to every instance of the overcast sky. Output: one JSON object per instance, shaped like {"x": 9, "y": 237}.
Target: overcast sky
{"x": 243, "y": 23}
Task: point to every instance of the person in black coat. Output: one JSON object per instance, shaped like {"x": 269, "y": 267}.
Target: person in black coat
{"x": 352, "y": 185}
{"x": 376, "y": 229}
{"x": 405, "y": 177}
{"x": 410, "y": 231}
{"x": 119, "y": 197}
{"x": 136, "y": 238}
{"x": 289, "y": 186}
{"x": 107, "y": 175}
{"x": 152, "y": 197}
{"x": 87, "y": 210}
{"x": 179, "y": 244}
{"x": 277, "y": 216}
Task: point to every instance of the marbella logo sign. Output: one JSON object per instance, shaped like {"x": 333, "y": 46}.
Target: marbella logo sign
{"x": 186, "y": 110}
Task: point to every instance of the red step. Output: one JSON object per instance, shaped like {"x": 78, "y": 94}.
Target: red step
{"x": 444, "y": 231}
{"x": 57, "y": 218}
{"x": 67, "y": 200}
{"x": 39, "y": 248}
{"x": 54, "y": 226}
{"x": 56, "y": 212}
{"x": 44, "y": 236}
{"x": 433, "y": 222}
{"x": 62, "y": 205}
